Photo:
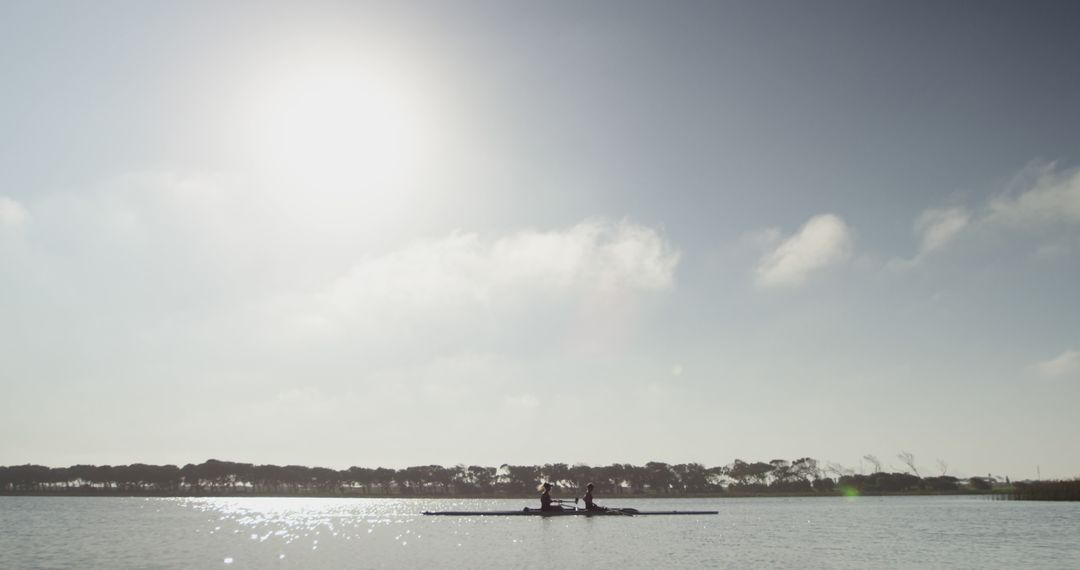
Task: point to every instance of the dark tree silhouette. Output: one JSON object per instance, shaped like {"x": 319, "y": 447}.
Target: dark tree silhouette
{"x": 216, "y": 477}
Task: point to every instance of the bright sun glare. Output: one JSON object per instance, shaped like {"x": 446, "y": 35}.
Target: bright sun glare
{"x": 338, "y": 126}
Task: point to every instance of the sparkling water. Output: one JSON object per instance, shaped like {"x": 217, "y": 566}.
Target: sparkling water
{"x": 827, "y": 532}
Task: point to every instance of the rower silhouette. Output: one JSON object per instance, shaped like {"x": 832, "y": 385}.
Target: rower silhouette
{"x": 589, "y": 504}
{"x": 545, "y": 500}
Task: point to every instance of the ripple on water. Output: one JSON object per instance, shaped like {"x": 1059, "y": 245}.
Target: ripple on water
{"x": 901, "y": 532}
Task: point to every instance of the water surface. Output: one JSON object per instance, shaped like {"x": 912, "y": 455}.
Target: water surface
{"x": 832, "y": 532}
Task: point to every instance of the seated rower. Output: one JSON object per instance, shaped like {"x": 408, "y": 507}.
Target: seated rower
{"x": 589, "y": 504}
{"x": 545, "y": 500}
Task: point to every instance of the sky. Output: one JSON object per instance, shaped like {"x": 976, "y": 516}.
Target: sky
{"x": 402, "y": 233}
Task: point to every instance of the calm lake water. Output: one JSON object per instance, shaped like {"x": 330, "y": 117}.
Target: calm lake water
{"x": 866, "y": 532}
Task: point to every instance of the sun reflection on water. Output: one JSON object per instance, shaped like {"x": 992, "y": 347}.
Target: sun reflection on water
{"x": 288, "y": 523}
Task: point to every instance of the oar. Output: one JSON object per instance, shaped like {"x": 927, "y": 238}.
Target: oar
{"x": 564, "y": 501}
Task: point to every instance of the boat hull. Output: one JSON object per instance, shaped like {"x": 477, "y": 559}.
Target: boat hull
{"x": 565, "y": 513}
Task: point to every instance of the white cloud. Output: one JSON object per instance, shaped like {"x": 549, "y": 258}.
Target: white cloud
{"x": 1061, "y": 365}
{"x": 938, "y": 227}
{"x": 469, "y": 284}
{"x": 825, "y": 240}
{"x": 12, "y": 213}
{"x": 204, "y": 258}
{"x": 1050, "y": 196}
{"x": 210, "y": 261}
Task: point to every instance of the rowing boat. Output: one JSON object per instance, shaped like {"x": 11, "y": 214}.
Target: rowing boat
{"x": 564, "y": 513}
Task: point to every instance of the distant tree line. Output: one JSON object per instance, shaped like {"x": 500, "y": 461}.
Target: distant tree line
{"x": 1047, "y": 490}
{"x": 213, "y": 477}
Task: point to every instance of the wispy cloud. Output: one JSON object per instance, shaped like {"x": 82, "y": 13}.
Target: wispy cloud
{"x": 825, "y": 240}
{"x": 936, "y": 228}
{"x": 1063, "y": 364}
{"x": 1048, "y": 196}
{"x": 1042, "y": 196}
